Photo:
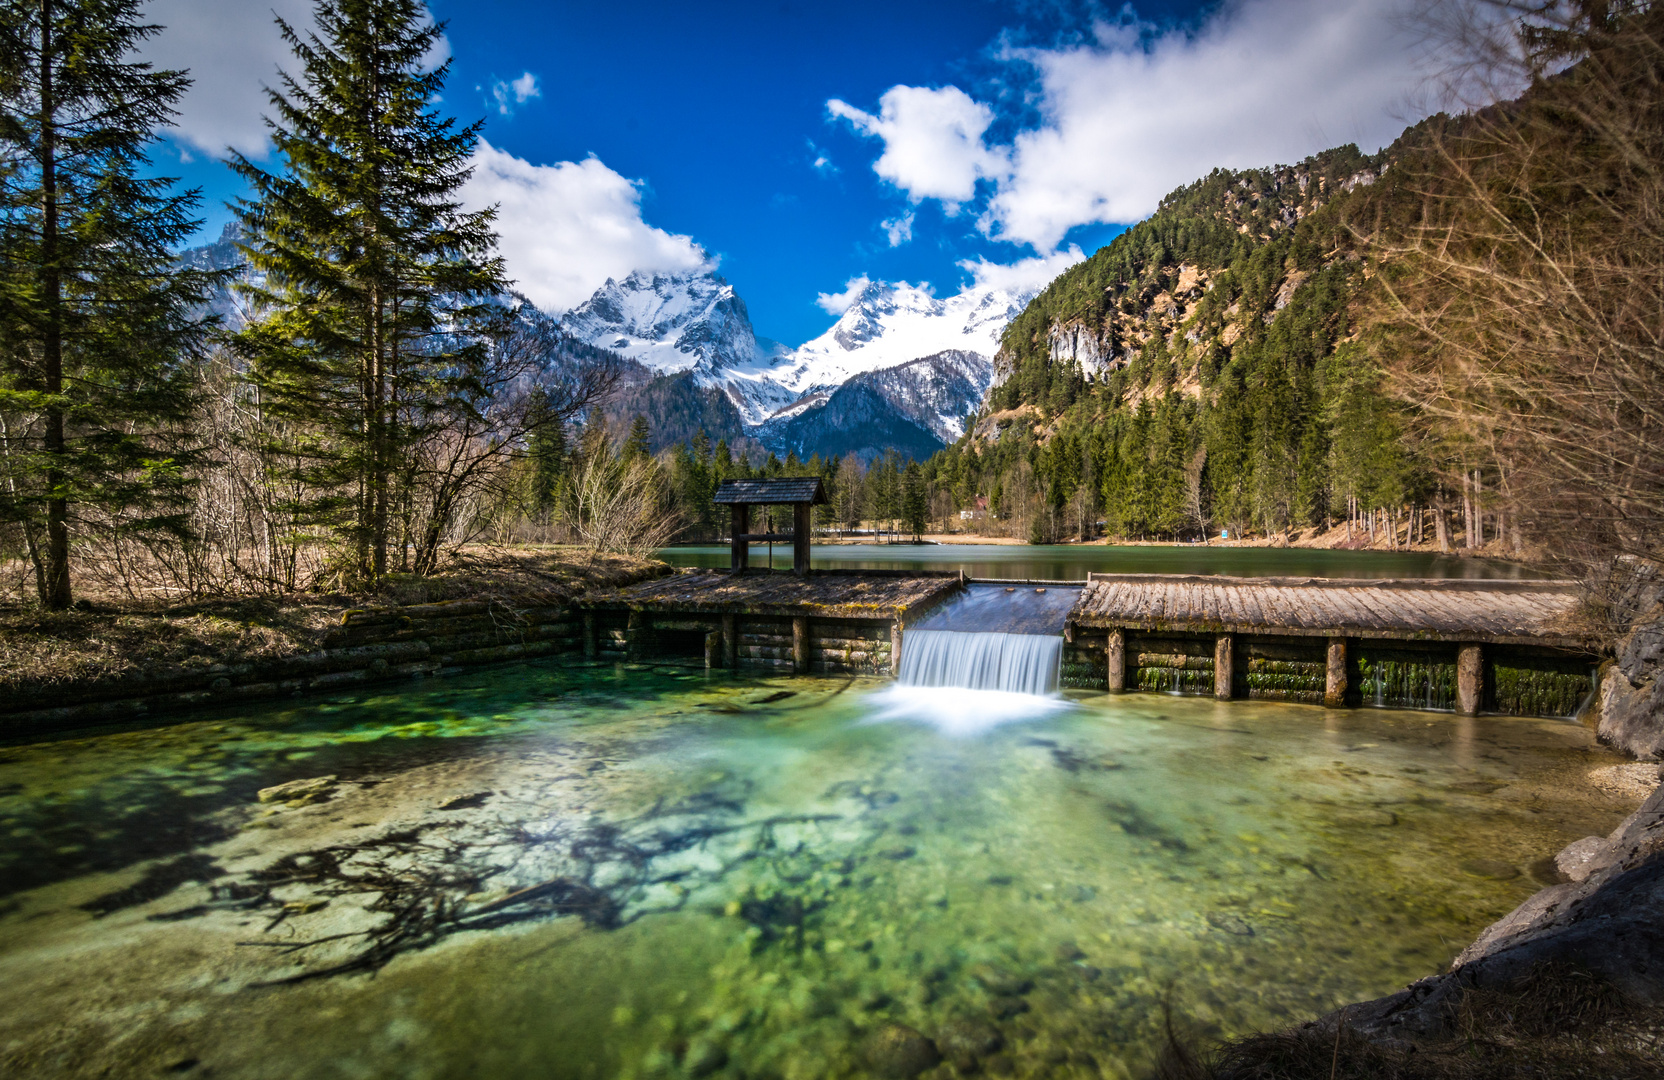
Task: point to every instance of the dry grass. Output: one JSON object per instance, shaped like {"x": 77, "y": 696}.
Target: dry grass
{"x": 109, "y": 636}
{"x": 1558, "y": 1022}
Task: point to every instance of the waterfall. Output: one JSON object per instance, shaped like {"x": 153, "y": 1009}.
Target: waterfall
{"x": 1020, "y": 663}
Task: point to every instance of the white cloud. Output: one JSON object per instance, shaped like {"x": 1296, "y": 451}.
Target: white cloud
{"x": 933, "y": 145}
{"x": 1262, "y": 82}
{"x": 509, "y": 94}
{"x": 1136, "y": 112}
{"x": 822, "y": 162}
{"x": 233, "y": 51}
{"x": 838, "y": 303}
{"x": 564, "y": 229}
{"x": 1024, "y": 275}
{"x": 899, "y": 229}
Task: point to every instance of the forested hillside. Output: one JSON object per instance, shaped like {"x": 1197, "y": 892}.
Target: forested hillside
{"x": 1202, "y": 372}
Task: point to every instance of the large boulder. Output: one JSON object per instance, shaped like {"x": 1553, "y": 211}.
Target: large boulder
{"x": 1632, "y": 690}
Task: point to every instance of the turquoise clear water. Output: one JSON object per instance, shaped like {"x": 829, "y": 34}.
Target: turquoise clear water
{"x": 632, "y": 871}
{"x": 1063, "y": 562}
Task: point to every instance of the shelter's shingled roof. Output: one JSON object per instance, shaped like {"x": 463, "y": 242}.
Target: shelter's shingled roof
{"x": 1503, "y": 612}
{"x": 782, "y": 489}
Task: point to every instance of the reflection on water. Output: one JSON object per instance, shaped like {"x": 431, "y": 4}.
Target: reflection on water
{"x": 1071, "y": 562}
{"x": 646, "y": 871}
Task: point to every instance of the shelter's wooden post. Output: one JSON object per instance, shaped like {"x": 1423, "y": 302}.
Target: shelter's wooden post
{"x": 802, "y": 533}
{"x": 739, "y": 551}
{"x": 731, "y": 641}
{"x": 590, "y": 645}
{"x": 1334, "y": 685}
{"x": 1117, "y": 657}
{"x": 800, "y": 644}
{"x": 895, "y": 647}
{"x": 1470, "y": 679}
{"x": 713, "y": 649}
{"x": 635, "y": 633}
{"x": 1222, "y": 667}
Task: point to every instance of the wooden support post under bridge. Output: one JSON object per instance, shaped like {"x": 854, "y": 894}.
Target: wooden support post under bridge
{"x": 1334, "y": 683}
{"x": 1470, "y": 679}
{"x": 1223, "y": 648}
{"x": 730, "y": 642}
{"x": 1117, "y": 658}
{"x": 800, "y": 645}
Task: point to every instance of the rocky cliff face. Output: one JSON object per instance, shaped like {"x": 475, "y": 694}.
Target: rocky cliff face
{"x": 1165, "y": 281}
{"x": 1632, "y": 686}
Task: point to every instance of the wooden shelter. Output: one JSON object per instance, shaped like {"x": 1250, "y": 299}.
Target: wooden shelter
{"x": 801, "y": 493}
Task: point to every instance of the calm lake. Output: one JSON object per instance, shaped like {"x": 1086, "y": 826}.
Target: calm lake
{"x": 1060, "y": 562}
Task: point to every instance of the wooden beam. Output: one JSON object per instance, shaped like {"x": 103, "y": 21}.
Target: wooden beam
{"x": 590, "y": 644}
{"x": 1222, "y": 667}
{"x": 1117, "y": 654}
{"x": 713, "y": 649}
{"x": 636, "y": 631}
{"x": 803, "y": 535}
{"x": 730, "y": 642}
{"x": 895, "y": 648}
{"x": 739, "y": 553}
{"x": 1334, "y": 683}
{"x": 800, "y": 645}
{"x": 1470, "y": 679}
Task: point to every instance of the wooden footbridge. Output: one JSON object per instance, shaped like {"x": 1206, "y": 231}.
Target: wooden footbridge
{"x": 1461, "y": 645}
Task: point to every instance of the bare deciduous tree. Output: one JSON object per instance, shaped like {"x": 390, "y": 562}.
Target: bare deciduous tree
{"x": 1524, "y": 306}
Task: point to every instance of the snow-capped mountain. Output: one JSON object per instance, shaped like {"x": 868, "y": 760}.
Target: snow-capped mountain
{"x": 695, "y": 321}
{"x": 894, "y": 323}
{"x": 690, "y": 321}
{"x": 915, "y": 408}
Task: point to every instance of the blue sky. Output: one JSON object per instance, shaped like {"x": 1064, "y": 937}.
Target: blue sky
{"x": 805, "y": 145}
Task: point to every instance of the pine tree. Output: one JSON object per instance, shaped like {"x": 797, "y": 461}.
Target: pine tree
{"x": 639, "y": 444}
{"x": 375, "y": 307}
{"x": 97, "y": 336}
{"x": 915, "y": 500}
{"x": 547, "y": 454}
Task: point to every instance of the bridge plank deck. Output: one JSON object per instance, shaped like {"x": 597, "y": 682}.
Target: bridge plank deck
{"x": 1523, "y": 612}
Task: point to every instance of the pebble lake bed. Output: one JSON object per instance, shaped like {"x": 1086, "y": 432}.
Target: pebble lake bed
{"x": 562, "y": 869}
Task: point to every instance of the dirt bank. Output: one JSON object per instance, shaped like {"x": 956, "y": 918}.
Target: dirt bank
{"x": 113, "y": 658}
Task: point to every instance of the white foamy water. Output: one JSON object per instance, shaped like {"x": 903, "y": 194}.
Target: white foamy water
{"x": 1019, "y": 663}
{"x": 958, "y": 712}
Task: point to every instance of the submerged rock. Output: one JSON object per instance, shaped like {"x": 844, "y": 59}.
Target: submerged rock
{"x": 998, "y": 981}
{"x": 704, "y": 1057}
{"x": 1068, "y": 952}
{"x": 297, "y": 790}
{"x": 1493, "y": 869}
{"x": 896, "y": 1050}
{"x": 966, "y": 1042}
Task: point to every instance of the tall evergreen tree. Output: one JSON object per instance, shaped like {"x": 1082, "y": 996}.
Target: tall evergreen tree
{"x": 97, "y": 332}
{"x": 377, "y": 286}
{"x": 639, "y": 444}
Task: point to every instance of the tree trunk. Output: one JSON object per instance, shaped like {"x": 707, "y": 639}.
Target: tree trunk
{"x": 1441, "y": 529}
{"x": 53, "y": 573}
